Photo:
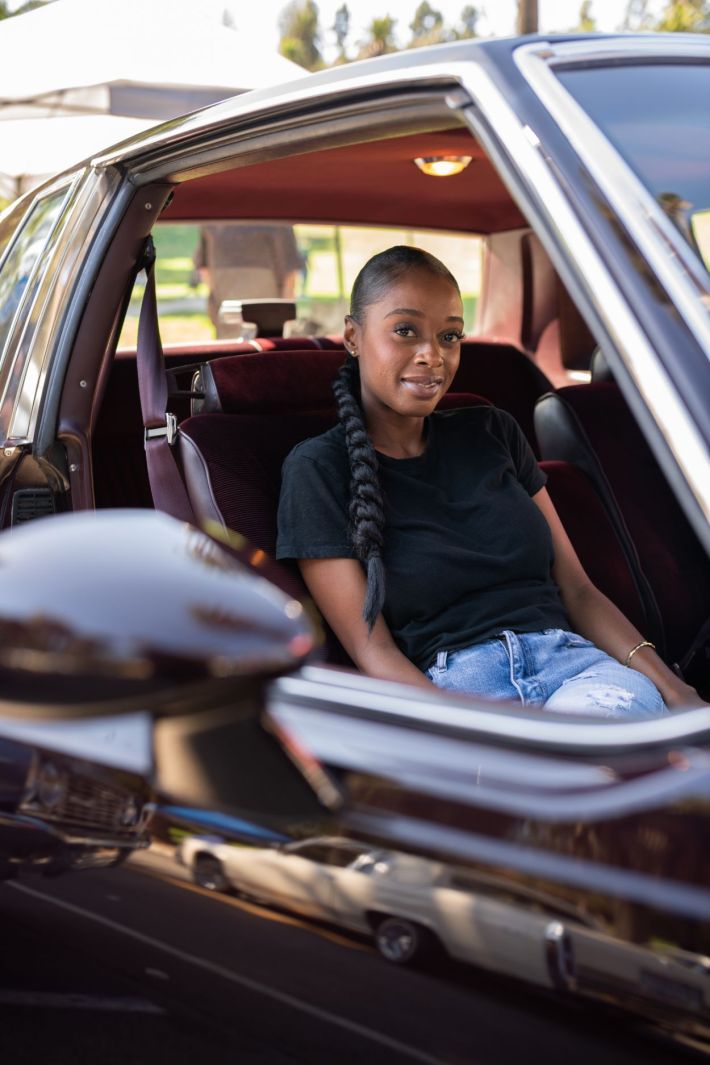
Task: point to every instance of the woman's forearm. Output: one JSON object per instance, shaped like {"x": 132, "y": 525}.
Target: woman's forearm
{"x": 386, "y": 661}
{"x": 594, "y": 616}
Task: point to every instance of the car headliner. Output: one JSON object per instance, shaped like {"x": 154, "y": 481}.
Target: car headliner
{"x": 373, "y": 182}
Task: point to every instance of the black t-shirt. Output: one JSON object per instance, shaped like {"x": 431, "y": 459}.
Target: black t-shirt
{"x": 467, "y": 551}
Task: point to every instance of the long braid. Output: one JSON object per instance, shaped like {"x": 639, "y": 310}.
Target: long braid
{"x": 367, "y": 517}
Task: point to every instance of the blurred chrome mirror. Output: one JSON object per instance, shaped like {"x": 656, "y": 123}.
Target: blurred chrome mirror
{"x": 123, "y": 613}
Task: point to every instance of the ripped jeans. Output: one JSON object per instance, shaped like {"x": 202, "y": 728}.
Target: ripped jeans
{"x": 555, "y": 669}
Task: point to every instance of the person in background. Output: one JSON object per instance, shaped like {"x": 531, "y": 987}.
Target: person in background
{"x": 246, "y": 261}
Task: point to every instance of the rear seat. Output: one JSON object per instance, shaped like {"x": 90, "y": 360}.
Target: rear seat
{"x": 592, "y": 427}
{"x": 120, "y": 476}
{"x": 506, "y": 377}
{"x": 501, "y": 373}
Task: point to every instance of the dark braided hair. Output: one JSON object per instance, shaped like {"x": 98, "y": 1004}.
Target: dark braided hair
{"x": 367, "y": 514}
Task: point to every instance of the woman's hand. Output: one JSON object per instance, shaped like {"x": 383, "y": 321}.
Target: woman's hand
{"x": 681, "y": 696}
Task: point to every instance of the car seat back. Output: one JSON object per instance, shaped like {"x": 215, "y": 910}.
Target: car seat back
{"x": 592, "y": 427}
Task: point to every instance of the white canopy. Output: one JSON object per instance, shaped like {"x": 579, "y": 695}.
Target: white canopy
{"x": 96, "y": 55}
{"x": 34, "y": 148}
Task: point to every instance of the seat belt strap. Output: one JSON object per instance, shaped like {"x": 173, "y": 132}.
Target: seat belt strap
{"x": 159, "y": 426}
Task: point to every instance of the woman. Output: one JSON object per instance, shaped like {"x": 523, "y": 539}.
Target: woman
{"x": 429, "y": 541}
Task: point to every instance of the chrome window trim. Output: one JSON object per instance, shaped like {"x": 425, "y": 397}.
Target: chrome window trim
{"x": 339, "y": 692}
{"x": 32, "y": 201}
{"x": 679, "y": 432}
{"x": 673, "y": 261}
{"x": 267, "y": 105}
{"x": 81, "y": 217}
{"x": 23, "y": 312}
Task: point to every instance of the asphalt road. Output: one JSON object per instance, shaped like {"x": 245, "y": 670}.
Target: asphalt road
{"x": 137, "y": 965}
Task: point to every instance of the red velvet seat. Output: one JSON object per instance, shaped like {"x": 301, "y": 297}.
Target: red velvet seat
{"x": 592, "y": 427}
{"x": 499, "y": 372}
{"x": 506, "y": 377}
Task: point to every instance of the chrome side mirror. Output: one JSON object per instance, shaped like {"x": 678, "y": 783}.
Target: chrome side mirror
{"x": 118, "y": 614}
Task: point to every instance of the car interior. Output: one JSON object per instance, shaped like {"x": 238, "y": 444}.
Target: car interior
{"x": 241, "y": 405}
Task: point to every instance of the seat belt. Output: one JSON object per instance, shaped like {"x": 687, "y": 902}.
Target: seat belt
{"x": 159, "y": 425}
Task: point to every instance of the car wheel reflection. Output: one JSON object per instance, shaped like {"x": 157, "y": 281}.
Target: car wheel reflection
{"x": 207, "y": 872}
{"x": 403, "y": 942}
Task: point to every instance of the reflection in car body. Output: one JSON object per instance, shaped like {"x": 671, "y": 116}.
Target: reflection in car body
{"x": 591, "y": 236}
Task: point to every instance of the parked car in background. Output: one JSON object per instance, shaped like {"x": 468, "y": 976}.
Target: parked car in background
{"x": 59, "y": 813}
{"x": 305, "y": 876}
{"x": 574, "y": 174}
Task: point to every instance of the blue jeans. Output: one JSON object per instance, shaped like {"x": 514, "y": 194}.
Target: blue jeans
{"x": 557, "y": 670}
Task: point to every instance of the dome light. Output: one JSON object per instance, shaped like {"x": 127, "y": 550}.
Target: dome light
{"x": 442, "y": 165}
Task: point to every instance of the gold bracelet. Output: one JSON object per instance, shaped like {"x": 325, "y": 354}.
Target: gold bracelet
{"x": 632, "y": 652}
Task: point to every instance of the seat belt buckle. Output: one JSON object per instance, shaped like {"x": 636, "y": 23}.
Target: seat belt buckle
{"x": 169, "y": 430}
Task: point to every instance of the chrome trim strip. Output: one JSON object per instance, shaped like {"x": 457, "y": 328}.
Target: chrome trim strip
{"x": 10, "y": 369}
{"x": 350, "y": 693}
{"x": 282, "y": 98}
{"x": 522, "y": 784}
{"x": 66, "y": 263}
{"x": 682, "y": 437}
{"x": 622, "y": 46}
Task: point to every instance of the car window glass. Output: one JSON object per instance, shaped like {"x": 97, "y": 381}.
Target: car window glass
{"x": 314, "y": 852}
{"x": 21, "y": 258}
{"x": 657, "y": 117}
{"x": 198, "y": 268}
{"x": 9, "y": 221}
{"x": 342, "y": 856}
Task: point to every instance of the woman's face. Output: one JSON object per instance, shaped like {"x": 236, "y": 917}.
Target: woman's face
{"x": 408, "y": 345}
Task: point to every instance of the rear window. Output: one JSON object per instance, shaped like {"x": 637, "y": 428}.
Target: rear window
{"x": 199, "y": 268}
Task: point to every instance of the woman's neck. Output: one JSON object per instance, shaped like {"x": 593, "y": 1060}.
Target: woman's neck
{"x": 397, "y": 437}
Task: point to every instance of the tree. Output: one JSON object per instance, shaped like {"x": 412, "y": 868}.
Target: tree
{"x": 469, "y": 23}
{"x": 228, "y": 19}
{"x": 427, "y": 26}
{"x": 341, "y": 29}
{"x": 380, "y": 38}
{"x": 587, "y": 23}
{"x": 637, "y": 16}
{"x": 300, "y": 34}
{"x": 527, "y": 21}
{"x": 686, "y": 16}
{"x": 29, "y": 6}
